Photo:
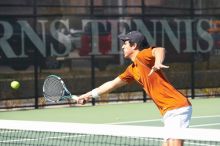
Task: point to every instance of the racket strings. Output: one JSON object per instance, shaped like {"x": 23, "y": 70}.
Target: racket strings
{"x": 53, "y": 89}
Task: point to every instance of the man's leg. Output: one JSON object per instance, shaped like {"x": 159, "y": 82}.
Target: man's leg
{"x": 173, "y": 142}
{"x": 178, "y": 118}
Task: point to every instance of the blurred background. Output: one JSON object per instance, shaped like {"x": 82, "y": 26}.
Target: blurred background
{"x": 78, "y": 41}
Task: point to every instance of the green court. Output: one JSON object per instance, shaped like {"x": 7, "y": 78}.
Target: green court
{"x": 206, "y": 114}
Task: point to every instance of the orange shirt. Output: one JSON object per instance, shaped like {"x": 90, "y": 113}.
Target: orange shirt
{"x": 164, "y": 95}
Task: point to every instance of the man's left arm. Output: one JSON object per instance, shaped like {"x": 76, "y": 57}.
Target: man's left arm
{"x": 159, "y": 54}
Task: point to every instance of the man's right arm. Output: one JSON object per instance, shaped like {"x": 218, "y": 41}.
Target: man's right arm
{"x": 104, "y": 88}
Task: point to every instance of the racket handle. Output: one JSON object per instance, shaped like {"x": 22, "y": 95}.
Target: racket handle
{"x": 74, "y": 97}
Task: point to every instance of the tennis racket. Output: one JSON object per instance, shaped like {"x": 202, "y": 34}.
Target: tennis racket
{"x": 54, "y": 89}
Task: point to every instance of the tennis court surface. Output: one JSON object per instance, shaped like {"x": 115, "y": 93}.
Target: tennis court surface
{"x": 130, "y": 124}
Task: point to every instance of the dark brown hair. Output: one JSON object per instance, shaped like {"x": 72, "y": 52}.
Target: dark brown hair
{"x": 144, "y": 44}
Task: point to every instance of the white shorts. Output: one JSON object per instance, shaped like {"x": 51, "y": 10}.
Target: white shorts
{"x": 178, "y": 118}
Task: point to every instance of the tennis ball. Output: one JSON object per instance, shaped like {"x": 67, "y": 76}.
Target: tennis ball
{"x": 15, "y": 85}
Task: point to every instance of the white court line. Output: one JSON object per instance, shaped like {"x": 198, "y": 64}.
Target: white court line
{"x": 140, "y": 121}
{"x": 155, "y": 120}
{"x": 202, "y": 125}
{"x": 37, "y": 139}
{"x": 212, "y": 116}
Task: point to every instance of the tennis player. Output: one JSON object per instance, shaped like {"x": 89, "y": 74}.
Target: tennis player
{"x": 145, "y": 69}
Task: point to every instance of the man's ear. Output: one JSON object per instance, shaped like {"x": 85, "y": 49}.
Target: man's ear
{"x": 134, "y": 46}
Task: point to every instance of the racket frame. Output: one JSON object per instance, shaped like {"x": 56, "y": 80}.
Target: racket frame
{"x": 65, "y": 92}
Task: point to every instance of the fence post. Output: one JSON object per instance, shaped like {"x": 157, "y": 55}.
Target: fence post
{"x": 93, "y": 75}
{"x": 35, "y": 57}
{"x": 144, "y": 96}
{"x": 193, "y": 54}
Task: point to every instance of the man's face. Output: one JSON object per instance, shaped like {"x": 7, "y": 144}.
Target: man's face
{"x": 127, "y": 49}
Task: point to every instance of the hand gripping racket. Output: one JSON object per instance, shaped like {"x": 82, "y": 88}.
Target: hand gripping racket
{"x": 54, "y": 89}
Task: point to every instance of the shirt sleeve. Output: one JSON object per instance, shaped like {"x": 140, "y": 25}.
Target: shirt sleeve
{"x": 127, "y": 75}
{"x": 146, "y": 57}
{"x": 148, "y": 53}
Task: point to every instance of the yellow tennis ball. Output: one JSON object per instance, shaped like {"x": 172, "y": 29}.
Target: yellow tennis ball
{"x": 15, "y": 85}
